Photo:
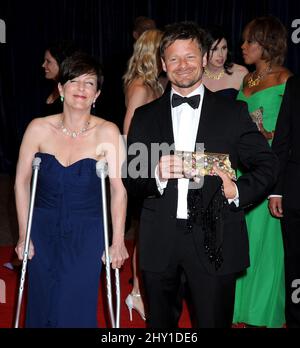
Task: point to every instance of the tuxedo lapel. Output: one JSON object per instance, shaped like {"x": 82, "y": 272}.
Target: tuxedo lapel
{"x": 165, "y": 121}
{"x": 207, "y": 109}
{"x": 211, "y": 184}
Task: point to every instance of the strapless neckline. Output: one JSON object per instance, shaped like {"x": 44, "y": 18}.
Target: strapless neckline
{"x": 60, "y": 164}
{"x": 262, "y": 90}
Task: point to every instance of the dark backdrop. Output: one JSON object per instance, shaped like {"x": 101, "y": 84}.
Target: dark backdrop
{"x": 102, "y": 28}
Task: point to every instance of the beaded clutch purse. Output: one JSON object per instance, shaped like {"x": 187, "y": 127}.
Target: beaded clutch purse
{"x": 257, "y": 116}
{"x": 198, "y": 164}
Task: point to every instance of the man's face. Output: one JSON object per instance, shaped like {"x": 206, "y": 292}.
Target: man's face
{"x": 183, "y": 63}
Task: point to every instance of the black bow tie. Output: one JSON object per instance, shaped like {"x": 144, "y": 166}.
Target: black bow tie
{"x": 192, "y": 101}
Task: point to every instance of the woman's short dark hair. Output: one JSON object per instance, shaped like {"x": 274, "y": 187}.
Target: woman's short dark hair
{"x": 80, "y": 64}
{"x": 271, "y": 34}
{"x": 184, "y": 31}
{"x": 217, "y": 34}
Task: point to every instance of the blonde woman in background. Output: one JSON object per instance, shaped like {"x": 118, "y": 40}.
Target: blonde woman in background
{"x": 141, "y": 86}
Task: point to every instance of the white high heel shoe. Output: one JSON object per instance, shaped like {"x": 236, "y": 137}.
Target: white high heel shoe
{"x": 130, "y": 301}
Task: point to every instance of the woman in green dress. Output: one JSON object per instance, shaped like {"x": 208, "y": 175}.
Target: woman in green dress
{"x": 260, "y": 291}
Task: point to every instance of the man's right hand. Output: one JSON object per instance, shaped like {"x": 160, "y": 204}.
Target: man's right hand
{"x": 170, "y": 167}
{"x": 275, "y": 206}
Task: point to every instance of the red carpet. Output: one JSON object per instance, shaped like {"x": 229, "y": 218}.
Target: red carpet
{"x": 11, "y": 281}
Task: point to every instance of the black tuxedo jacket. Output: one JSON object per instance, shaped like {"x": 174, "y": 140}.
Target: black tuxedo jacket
{"x": 224, "y": 127}
{"x": 286, "y": 144}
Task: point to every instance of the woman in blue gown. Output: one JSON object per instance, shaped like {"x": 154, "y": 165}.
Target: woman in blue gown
{"x": 66, "y": 244}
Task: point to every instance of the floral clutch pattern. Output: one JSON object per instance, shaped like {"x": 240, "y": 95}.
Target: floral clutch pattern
{"x": 257, "y": 116}
{"x": 198, "y": 164}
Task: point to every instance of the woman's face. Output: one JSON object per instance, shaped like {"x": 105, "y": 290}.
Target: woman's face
{"x": 80, "y": 92}
{"x": 51, "y": 67}
{"x": 218, "y": 53}
{"x": 252, "y": 50}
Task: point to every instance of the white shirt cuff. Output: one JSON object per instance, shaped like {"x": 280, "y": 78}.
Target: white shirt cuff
{"x": 160, "y": 185}
{"x": 270, "y": 196}
{"x": 236, "y": 199}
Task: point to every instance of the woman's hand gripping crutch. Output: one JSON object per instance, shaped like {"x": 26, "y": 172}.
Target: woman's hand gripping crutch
{"x": 102, "y": 171}
{"x": 35, "y": 166}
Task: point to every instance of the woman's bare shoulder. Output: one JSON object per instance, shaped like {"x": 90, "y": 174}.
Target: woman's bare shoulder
{"x": 137, "y": 82}
{"x": 238, "y": 75}
{"x": 107, "y": 137}
{"x": 105, "y": 127}
{"x": 137, "y": 95}
{"x": 136, "y": 86}
{"x": 239, "y": 69}
{"x": 40, "y": 122}
{"x": 42, "y": 125}
{"x": 283, "y": 74}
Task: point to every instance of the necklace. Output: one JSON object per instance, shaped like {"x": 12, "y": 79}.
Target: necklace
{"x": 213, "y": 76}
{"x": 260, "y": 76}
{"x": 73, "y": 134}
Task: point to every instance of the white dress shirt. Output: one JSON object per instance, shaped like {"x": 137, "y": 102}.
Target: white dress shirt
{"x": 185, "y": 122}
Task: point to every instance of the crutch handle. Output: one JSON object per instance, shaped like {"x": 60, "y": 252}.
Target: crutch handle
{"x": 36, "y": 163}
{"x": 102, "y": 168}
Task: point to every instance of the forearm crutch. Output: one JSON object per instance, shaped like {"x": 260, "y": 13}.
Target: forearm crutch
{"x": 102, "y": 171}
{"x": 35, "y": 166}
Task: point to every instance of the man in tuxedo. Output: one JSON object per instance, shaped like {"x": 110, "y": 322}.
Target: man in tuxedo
{"x": 199, "y": 231}
{"x": 284, "y": 203}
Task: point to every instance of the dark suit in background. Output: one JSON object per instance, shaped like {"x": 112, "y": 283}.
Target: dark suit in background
{"x": 286, "y": 145}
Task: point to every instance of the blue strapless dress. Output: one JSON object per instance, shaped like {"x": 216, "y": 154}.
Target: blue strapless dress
{"x": 67, "y": 233}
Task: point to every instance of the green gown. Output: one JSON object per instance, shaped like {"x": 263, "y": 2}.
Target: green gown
{"x": 260, "y": 292}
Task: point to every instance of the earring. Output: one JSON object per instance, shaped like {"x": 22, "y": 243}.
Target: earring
{"x": 94, "y": 105}
{"x": 62, "y": 98}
